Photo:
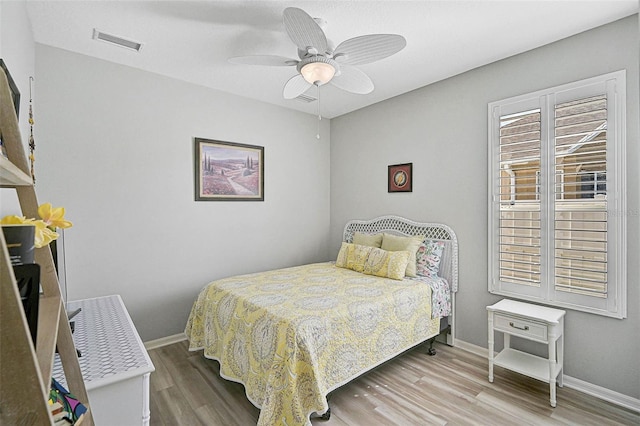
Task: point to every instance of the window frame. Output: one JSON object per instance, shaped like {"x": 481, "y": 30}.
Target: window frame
{"x": 613, "y": 85}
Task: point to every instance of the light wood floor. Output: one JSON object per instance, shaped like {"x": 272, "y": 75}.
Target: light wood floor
{"x": 414, "y": 389}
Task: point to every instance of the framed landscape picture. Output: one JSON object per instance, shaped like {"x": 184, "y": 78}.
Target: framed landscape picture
{"x": 227, "y": 171}
{"x": 400, "y": 178}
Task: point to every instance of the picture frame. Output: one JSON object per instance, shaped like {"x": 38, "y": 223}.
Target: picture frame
{"x": 400, "y": 178}
{"x": 228, "y": 171}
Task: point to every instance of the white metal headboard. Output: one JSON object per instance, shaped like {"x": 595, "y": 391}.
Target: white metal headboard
{"x": 401, "y": 226}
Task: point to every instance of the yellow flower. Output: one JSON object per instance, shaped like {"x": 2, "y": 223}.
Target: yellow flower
{"x": 43, "y": 235}
{"x": 14, "y": 220}
{"x": 53, "y": 217}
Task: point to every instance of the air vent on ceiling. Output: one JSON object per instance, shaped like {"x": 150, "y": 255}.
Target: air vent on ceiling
{"x": 118, "y": 41}
{"x": 305, "y": 98}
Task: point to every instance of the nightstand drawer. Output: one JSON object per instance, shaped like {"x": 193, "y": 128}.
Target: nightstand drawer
{"x": 521, "y": 327}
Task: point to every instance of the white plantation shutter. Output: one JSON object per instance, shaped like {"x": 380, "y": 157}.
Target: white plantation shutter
{"x": 581, "y": 207}
{"x": 519, "y": 204}
{"x": 556, "y": 202}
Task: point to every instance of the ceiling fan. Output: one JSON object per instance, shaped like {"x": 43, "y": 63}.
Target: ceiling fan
{"x": 319, "y": 63}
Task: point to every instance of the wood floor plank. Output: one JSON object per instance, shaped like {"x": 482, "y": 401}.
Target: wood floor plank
{"x": 175, "y": 409}
{"x": 450, "y": 388}
{"x": 162, "y": 377}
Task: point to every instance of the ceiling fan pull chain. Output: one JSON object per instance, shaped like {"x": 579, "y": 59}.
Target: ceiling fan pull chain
{"x": 319, "y": 115}
{"x": 317, "y": 84}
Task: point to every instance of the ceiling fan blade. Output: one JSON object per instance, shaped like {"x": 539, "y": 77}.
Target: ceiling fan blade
{"x": 270, "y": 60}
{"x": 295, "y": 87}
{"x": 303, "y": 30}
{"x": 368, "y": 48}
{"x": 353, "y": 80}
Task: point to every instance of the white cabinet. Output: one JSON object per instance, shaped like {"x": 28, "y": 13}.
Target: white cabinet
{"x": 531, "y": 322}
{"x": 114, "y": 362}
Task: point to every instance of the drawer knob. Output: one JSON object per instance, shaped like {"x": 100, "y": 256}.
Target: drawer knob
{"x": 525, "y": 328}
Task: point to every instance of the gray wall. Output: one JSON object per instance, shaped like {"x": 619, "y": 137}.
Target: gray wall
{"x": 17, "y": 49}
{"x": 115, "y": 148}
{"x": 442, "y": 129}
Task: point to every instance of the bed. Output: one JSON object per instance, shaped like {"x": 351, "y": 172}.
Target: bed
{"x": 293, "y": 335}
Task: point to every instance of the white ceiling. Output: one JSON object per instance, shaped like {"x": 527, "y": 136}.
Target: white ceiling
{"x": 192, "y": 40}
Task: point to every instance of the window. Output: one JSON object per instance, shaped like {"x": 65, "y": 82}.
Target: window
{"x": 593, "y": 184}
{"x": 557, "y": 171}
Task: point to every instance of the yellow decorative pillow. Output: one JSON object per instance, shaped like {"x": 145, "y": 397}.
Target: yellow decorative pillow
{"x": 373, "y": 261}
{"x": 371, "y": 240}
{"x": 343, "y": 254}
{"x": 389, "y": 264}
{"x": 359, "y": 257}
{"x": 353, "y": 256}
{"x": 392, "y": 242}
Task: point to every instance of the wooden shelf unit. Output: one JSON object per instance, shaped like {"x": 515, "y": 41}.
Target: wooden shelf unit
{"x": 11, "y": 176}
{"x": 25, "y": 370}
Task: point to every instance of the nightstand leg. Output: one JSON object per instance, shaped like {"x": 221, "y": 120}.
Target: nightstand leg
{"x": 552, "y": 377}
{"x": 561, "y": 359}
{"x": 491, "y": 347}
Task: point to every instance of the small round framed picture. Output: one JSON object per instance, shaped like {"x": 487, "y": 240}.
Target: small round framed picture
{"x": 400, "y": 178}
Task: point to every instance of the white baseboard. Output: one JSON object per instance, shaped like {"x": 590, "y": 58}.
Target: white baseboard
{"x": 570, "y": 382}
{"x": 470, "y": 347}
{"x": 603, "y": 393}
{"x": 164, "y": 341}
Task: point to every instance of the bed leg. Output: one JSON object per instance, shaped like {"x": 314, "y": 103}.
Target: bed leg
{"x": 431, "y": 351}
{"x": 326, "y": 415}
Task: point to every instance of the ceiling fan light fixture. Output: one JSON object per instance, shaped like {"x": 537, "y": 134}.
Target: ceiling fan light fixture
{"x": 318, "y": 70}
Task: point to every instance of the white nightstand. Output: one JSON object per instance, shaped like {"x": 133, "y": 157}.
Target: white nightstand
{"x": 115, "y": 364}
{"x": 532, "y": 322}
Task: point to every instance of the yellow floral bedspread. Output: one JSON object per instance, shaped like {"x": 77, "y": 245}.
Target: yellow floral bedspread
{"x": 293, "y": 335}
